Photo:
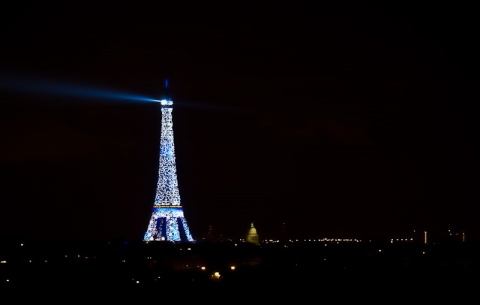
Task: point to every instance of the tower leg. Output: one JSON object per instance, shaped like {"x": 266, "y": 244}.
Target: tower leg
{"x": 168, "y": 224}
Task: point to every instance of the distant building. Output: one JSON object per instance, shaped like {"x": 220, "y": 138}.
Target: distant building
{"x": 283, "y": 233}
{"x": 252, "y": 236}
{"x": 210, "y": 234}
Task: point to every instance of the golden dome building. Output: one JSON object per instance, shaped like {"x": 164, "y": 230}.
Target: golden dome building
{"x": 252, "y": 236}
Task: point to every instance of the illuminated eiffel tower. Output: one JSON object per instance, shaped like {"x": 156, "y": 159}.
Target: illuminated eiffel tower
{"x": 167, "y": 222}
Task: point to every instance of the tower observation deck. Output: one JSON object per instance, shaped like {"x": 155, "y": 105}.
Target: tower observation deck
{"x": 167, "y": 222}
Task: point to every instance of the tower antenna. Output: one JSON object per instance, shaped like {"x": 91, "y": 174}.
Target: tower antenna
{"x": 166, "y": 95}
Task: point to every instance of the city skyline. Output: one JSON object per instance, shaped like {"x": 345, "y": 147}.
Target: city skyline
{"x": 355, "y": 120}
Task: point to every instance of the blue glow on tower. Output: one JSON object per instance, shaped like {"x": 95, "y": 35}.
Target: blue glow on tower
{"x": 167, "y": 222}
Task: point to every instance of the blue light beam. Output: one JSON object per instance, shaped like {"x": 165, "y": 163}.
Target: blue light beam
{"x": 27, "y": 85}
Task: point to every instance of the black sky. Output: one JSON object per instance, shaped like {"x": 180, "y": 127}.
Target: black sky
{"x": 352, "y": 120}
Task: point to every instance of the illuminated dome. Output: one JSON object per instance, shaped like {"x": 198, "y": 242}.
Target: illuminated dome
{"x": 252, "y": 230}
{"x": 252, "y": 235}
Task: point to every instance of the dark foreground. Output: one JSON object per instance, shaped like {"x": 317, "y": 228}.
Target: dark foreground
{"x": 206, "y": 270}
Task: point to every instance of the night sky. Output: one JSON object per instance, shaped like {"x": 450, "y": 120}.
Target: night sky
{"x": 350, "y": 121}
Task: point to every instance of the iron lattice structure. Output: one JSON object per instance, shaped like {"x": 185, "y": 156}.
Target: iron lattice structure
{"x": 167, "y": 222}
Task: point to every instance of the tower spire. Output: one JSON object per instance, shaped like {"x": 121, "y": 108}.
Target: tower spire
{"x": 167, "y": 221}
{"x": 167, "y": 95}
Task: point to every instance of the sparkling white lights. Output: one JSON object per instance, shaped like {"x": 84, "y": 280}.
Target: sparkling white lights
{"x": 166, "y": 102}
{"x": 167, "y": 221}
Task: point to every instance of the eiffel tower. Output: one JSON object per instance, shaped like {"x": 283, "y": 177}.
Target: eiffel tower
{"x": 167, "y": 222}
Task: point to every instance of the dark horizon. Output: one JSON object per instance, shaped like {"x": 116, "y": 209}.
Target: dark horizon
{"x": 349, "y": 121}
